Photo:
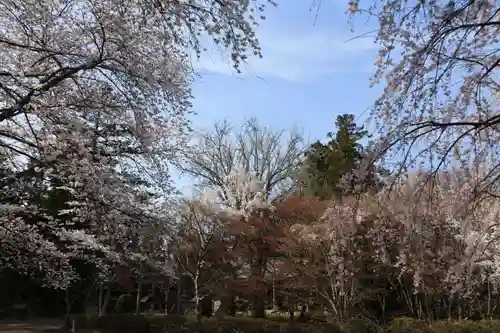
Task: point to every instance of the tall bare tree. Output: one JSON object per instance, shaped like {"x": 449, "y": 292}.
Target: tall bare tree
{"x": 264, "y": 155}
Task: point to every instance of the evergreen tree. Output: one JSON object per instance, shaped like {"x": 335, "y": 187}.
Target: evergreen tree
{"x": 330, "y": 168}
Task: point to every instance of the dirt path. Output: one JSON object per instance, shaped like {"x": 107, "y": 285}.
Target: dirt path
{"x": 31, "y": 326}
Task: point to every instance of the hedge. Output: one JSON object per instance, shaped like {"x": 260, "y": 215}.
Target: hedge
{"x": 409, "y": 325}
{"x": 180, "y": 324}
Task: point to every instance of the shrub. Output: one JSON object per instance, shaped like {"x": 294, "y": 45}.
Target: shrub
{"x": 125, "y": 304}
{"x": 186, "y": 324}
{"x": 408, "y": 325}
{"x": 123, "y": 324}
{"x": 493, "y": 324}
{"x": 466, "y": 326}
{"x": 254, "y": 325}
{"x": 318, "y": 316}
{"x": 360, "y": 326}
{"x": 181, "y": 324}
{"x": 170, "y": 323}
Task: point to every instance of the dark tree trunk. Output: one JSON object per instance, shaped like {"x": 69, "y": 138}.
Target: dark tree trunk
{"x": 171, "y": 300}
{"x": 206, "y": 306}
{"x": 138, "y": 298}
{"x": 228, "y": 304}
{"x": 259, "y": 308}
{"x": 258, "y": 297}
{"x": 228, "y": 299}
{"x": 231, "y": 310}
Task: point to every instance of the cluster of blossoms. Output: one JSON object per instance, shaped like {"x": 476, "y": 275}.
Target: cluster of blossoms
{"x": 419, "y": 230}
{"x": 94, "y": 101}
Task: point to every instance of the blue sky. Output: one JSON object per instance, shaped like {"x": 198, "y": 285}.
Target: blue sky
{"x": 309, "y": 74}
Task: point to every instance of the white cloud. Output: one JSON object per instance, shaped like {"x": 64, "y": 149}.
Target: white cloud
{"x": 297, "y": 57}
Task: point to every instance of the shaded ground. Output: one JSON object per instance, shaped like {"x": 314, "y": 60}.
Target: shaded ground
{"x": 32, "y": 326}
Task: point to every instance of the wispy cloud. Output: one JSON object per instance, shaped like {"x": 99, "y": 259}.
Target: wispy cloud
{"x": 296, "y": 57}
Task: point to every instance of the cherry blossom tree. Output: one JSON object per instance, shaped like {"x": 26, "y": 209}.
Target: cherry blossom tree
{"x": 443, "y": 251}
{"x": 244, "y": 198}
{"x": 240, "y": 203}
{"x": 93, "y": 99}
{"x": 199, "y": 248}
{"x": 327, "y": 253}
{"x": 439, "y": 112}
{"x": 439, "y": 61}
{"x": 297, "y": 266}
{"x": 239, "y": 194}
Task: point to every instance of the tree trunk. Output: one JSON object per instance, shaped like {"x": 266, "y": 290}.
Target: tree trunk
{"x": 88, "y": 295}
{"x": 207, "y": 306}
{"x": 258, "y": 301}
{"x": 302, "y": 313}
{"x": 165, "y": 298}
{"x": 489, "y": 301}
{"x": 197, "y": 298}
{"x": 106, "y": 300}
{"x": 153, "y": 298}
{"x": 232, "y": 305}
{"x": 178, "y": 301}
{"x": 274, "y": 295}
{"x": 228, "y": 299}
{"x": 259, "y": 308}
{"x": 228, "y": 303}
{"x": 101, "y": 299}
{"x": 171, "y": 303}
{"x": 138, "y": 298}
{"x": 67, "y": 307}
{"x": 197, "y": 301}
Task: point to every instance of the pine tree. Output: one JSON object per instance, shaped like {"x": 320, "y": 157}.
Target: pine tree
{"x": 330, "y": 167}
